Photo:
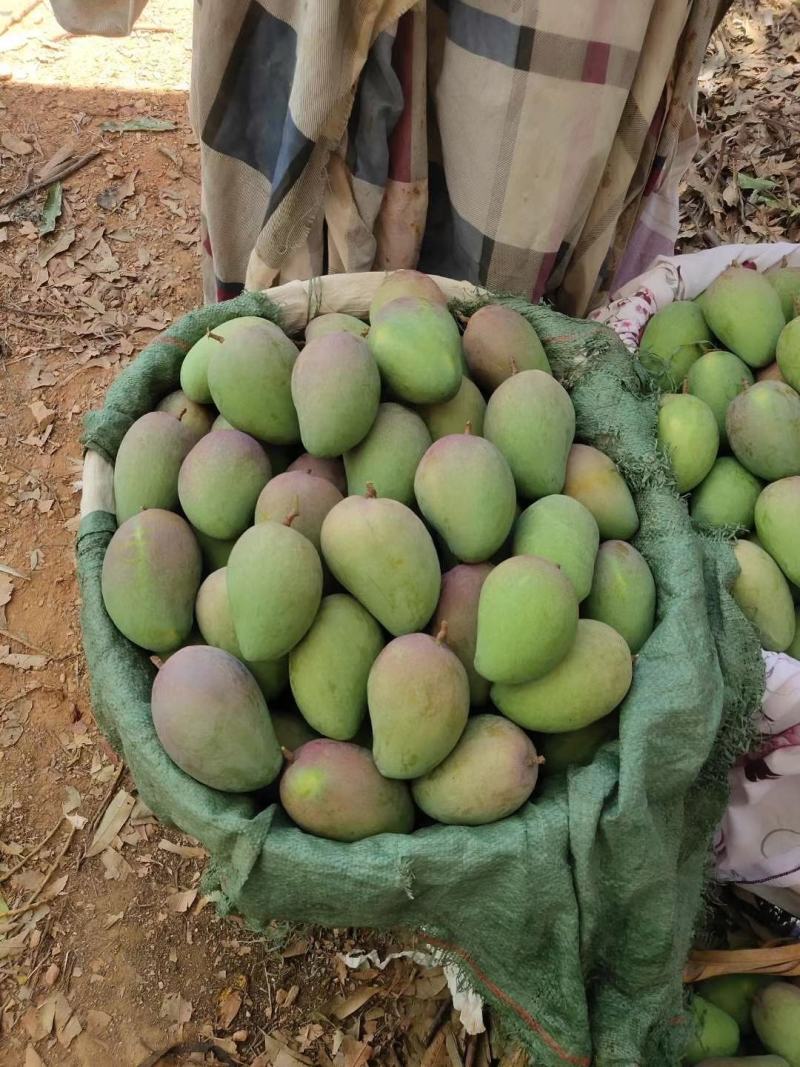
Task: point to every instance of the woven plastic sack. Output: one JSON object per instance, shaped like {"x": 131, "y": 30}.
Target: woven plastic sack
{"x": 573, "y": 917}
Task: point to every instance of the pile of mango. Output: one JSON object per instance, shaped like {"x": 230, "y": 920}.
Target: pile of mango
{"x": 731, "y": 426}
{"x": 745, "y": 1019}
{"x": 379, "y": 573}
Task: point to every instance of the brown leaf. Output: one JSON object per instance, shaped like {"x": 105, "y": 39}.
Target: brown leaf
{"x": 114, "y": 195}
{"x": 21, "y": 661}
{"x": 15, "y": 144}
{"x": 175, "y": 1009}
{"x": 42, "y": 415}
{"x": 115, "y": 817}
{"x": 61, "y": 155}
{"x": 229, "y": 1004}
{"x": 32, "y": 1058}
{"x": 49, "y": 249}
{"x": 181, "y": 902}
{"x": 343, "y": 1007}
{"x": 112, "y": 920}
{"x": 188, "y": 852}
{"x": 69, "y": 1032}
{"x": 7, "y": 271}
{"x": 116, "y": 867}
{"x": 97, "y": 1022}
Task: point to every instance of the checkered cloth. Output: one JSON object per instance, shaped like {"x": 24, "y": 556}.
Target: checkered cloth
{"x": 532, "y": 146}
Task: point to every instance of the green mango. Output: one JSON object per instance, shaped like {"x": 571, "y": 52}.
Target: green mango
{"x": 221, "y": 423}
{"x": 717, "y": 378}
{"x": 458, "y": 608}
{"x": 498, "y": 342}
{"x": 562, "y": 530}
{"x": 194, "y": 369}
{"x": 418, "y": 694}
{"x": 330, "y": 469}
{"x": 490, "y": 773}
{"x": 623, "y": 593}
{"x": 291, "y": 730}
{"x": 688, "y": 434}
{"x": 673, "y": 340}
{"x": 763, "y": 594}
{"x": 220, "y": 481}
{"x": 336, "y": 389}
{"x": 763, "y": 426}
{"x": 531, "y": 420}
{"x": 777, "y": 522}
{"x": 794, "y": 648}
{"x": 772, "y": 372}
{"x": 788, "y": 353}
{"x": 733, "y": 993}
{"x": 594, "y": 480}
{"x": 328, "y": 669}
{"x": 575, "y": 748}
{"x": 147, "y": 464}
{"x": 588, "y": 683}
{"x": 196, "y": 417}
{"x": 726, "y": 497}
{"x": 382, "y": 554}
{"x": 465, "y": 490}
{"x": 215, "y": 551}
{"x": 311, "y": 498}
{"x": 776, "y": 1020}
{"x": 786, "y": 283}
{"x": 745, "y": 313}
{"x": 716, "y": 1033}
{"x": 466, "y": 408}
{"x": 417, "y": 347}
{"x": 335, "y": 322}
{"x": 406, "y": 283}
{"x": 388, "y": 455}
{"x": 527, "y": 619}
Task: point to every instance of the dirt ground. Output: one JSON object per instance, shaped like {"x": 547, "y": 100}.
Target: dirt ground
{"x": 108, "y": 952}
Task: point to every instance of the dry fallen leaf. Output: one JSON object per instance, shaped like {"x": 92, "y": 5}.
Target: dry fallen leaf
{"x": 115, "y": 817}
{"x": 181, "y": 902}
{"x": 53, "y": 248}
{"x": 186, "y": 851}
{"x": 21, "y": 661}
{"x": 15, "y": 144}
{"x": 175, "y": 1009}
{"x": 42, "y": 414}
{"x": 73, "y": 800}
{"x": 229, "y": 1003}
{"x": 112, "y": 920}
{"x": 32, "y": 1058}
{"x": 97, "y": 1022}
{"x": 343, "y": 1007}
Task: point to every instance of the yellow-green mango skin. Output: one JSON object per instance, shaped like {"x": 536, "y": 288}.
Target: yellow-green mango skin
{"x": 562, "y": 530}
{"x": 328, "y": 669}
{"x": 417, "y": 347}
{"x": 498, "y": 342}
{"x": 406, "y": 283}
{"x": 465, "y": 490}
{"x": 336, "y": 389}
{"x": 151, "y": 572}
{"x": 291, "y": 729}
{"x": 716, "y": 378}
{"x": 623, "y": 593}
{"x": 194, "y": 369}
{"x": 716, "y": 1033}
{"x": 212, "y": 610}
{"x": 744, "y": 313}
{"x": 786, "y": 283}
{"x": 788, "y": 353}
{"x": 575, "y": 748}
{"x": 418, "y": 695}
{"x": 726, "y": 498}
{"x": 458, "y": 607}
{"x": 311, "y": 497}
{"x": 330, "y": 469}
{"x": 763, "y": 594}
{"x": 778, "y": 522}
{"x": 776, "y": 1020}
{"x": 490, "y": 773}
{"x": 673, "y": 340}
{"x": 147, "y": 464}
{"x": 196, "y": 417}
{"x": 733, "y": 993}
{"x": 333, "y": 789}
{"x": 382, "y": 554}
{"x": 275, "y": 589}
{"x": 527, "y": 619}
{"x": 335, "y": 322}
{"x": 212, "y": 720}
{"x": 220, "y": 481}
{"x": 467, "y": 407}
{"x": 388, "y": 455}
{"x": 531, "y": 420}
{"x": 249, "y": 375}
{"x": 794, "y": 648}
{"x": 588, "y": 683}
{"x": 215, "y": 551}
{"x": 763, "y": 427}
{"x": 688, "y": 434}
{"x": 594, "y": 480}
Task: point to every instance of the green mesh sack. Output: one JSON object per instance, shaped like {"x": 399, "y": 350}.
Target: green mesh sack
{"x": 573, "y": 918}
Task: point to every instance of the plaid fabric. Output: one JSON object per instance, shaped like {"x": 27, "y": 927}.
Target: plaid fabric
{"x": 520, "y": 144}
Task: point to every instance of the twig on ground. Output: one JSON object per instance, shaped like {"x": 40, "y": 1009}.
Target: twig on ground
{"x": 21, "y": 641}
{"x": 34, "y": 900}
{"x": 57, "y": 175}
{"x": 33, "y": 851}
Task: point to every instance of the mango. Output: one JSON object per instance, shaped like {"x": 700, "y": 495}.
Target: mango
{"x": 151, "y": 572}
{"x": 772, "y": 372}
{"x": 465, "y": 490}
{"x": 147, "y": 464}
{"x": 733, "y": 993}
{"x": 716, "y": 378}
{"x": 249, "y": 375}
{"x": 588, "y": 683}
{"x": 275, "y": 589}
{"x": 794, "y": 648}
{"x": 594, "y": 480}
{"x": 418, "y": 696}
{"x": 388, "y": 455}
{"x": 328, "y": 669}
{"x": 333, "y": 789}
{"x": 498, "y": 342}
{"x": 777, "y": 522}
{"x": 215, "y": 551}
{"x": 787, "y": 353}
{"x": 673, "y": 340}
{"x": 688, "y": 434}
{"x": 293, "y": 491}
{"x": 623, "y": 593}
{"x": 212, "y": 720}
{"x": 220, "y": 481}
{"x": 417, "y": 347}
{"x": 763, "y": 427}
{"x": 716, "y": 1033}
{"x": 786, "y": 283}
{"x": 406, "y": 283}
{"x": 562, "y": 530}
{"x": 466, "y": 408}
{"x": 458, "y": 607}
{"x": 336, "y": 389}
{"x": 490, "y": 773}
{"x": 330, "y": 469}
{"x": 726, "y": 497}
{"x": 527, "y": 618}
{"x": 291, "y": 729}
{"x": 221, "y": 423}
{"x": 194, "y": 369}
{"x": 761, "y": 591}
{"x": 745, "y": 313}
{"x": 576, "y": 748}
{"x": 335, "y": 322}
{"x": 531, "y": 420}
{"x": 383, "y": 555}
{"x": 776, "y": 1020}
{"x": 195, "y": 417}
